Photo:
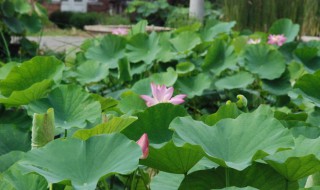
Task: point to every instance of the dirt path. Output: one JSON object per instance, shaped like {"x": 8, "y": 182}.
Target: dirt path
{"x": 58, "y": 43}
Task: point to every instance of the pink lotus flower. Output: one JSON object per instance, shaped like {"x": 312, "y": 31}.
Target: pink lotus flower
{"x": 254, "y": 41}
{"x": 162, "y": 94}
{"x": 120, "y": 31}
{"x": 276, "y": 39}
{"x": 143, "y": 142}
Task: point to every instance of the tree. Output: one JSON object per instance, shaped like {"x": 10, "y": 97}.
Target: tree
{"x": 196, "y": 9}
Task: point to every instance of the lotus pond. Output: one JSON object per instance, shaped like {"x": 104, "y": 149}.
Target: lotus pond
{"x": 196, "y": 108}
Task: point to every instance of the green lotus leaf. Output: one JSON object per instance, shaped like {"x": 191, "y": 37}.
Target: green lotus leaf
{"x": 14, "y": 24}
{"x": 239, "y": 80}
{"x": 7, "y": 7}
{"x": 143, "y": 47}
{"x": 91, "y": 71}
{"x": 34, "y": 92}
{"x": 5, "y": 184}
{"x": 155, "y": 122}
{"x": 124, "y": 68}
{"x": 219, "y": 58}
{"x": 18, "y": 118}
{"x": 260, "y": 176}
{"x": 167, "y": 181}
{"x": 72, "y": 106}
{"x": 5, "y": 69}
{"x": 131, "y": 102}
{"x": 213, "y": 29}
{"x": 279, "y": 86}
{"x": 164, "y": 78}
{"x": 194, "y": 86}
{"x": 115, "y": 124}
{"x": 241, "y": 188}
{"x": 203, "y": 164}
{"x": 309, "y": 56}
{"x": 19, "y": 181}
{"x": 31, "y": 80}
{"x": 83, "y": 162}
{"x": 22, "y": 7}
{"x": 109, "y": 51}
{"x": 31, "y": 72}
{"x": 309, "y": 85}
{"x": 285, "y": 27}
{"x": 185, "y": 41}
{"x": 267, "y": 63}
{"x": 173, "y": 159}
{"x": 167, "y": 78}
{"x": 299, "y": 162}
{"x": 107, "y": 103}
{"x": 225, "y": 111}
{"x": 140, "y": 27}
{"x": 12, "y": 138}
{"x": 185, "y": 67}
{"x": 7, "y": 160}
{"x": 234, "y": 143}
{"x": 32, "y": 23}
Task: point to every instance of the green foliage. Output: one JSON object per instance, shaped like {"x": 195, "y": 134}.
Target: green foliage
{"x": 249, "y": 120}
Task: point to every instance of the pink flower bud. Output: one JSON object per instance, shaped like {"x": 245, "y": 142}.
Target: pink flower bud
{"x": 143, "y": 142}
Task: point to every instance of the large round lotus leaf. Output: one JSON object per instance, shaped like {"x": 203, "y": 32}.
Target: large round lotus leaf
{"x": 285, "y": 27}
{"x": 31, "y": 80}
{"x": 185, "y": 67}
{"x": 239, "y": 80}
{"x": 110, "y": 50}
{"x": 83, "y": 162}
{"x": 18, "y": 118}
{"x": 7, "y": 160}
{"x": 234, "y": 143}
{"x": 225, "y": 111}
{"x": 164, "y": 78}
{"x": 309, "y": 57}
{"x": 185, "y": 41}
{"x": 219, "y": 58}
{"x": 214, "y": 28}
{"x": 19, "y": 181}
{"x": 72, "y": 106}
{"x": 167, "y": 78}
{"x": 31, "y": 72}
{"x": 238, "y": 188}
{"x": 279, "y": 86}
{"x": 22, "y": 6}
{"x": 267, "y": 63}
{"x": 115, "y": 124}
{"x": 194, "y": 86}
{"x": 155, "y": 122}
{"x": 167, "y": 181}
{"x": 13, "y": 138}
{"x": 173, "y": 159}
{"x": 5, "y": 69}
{"x": 143, "y": 47}
{"x": 131, "y": 102}
{"x": 91, "y": 71}
{"x": 36, "y": 91}
{"x": 299, "y": 162}
{"x": 32, "y": 23}
{"x": 260, "y": 176}
{"x": 309, "y": 84}
{"x": 14, "y": 24}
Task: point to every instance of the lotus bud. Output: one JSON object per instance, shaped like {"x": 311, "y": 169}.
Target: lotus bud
{"x": 42, "y": 129}
{"x": 143, "y": 142}
{"x": 242, "y": 101}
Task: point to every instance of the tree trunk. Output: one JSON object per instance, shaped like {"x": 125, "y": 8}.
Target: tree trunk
{"x": 196, "y": 9}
